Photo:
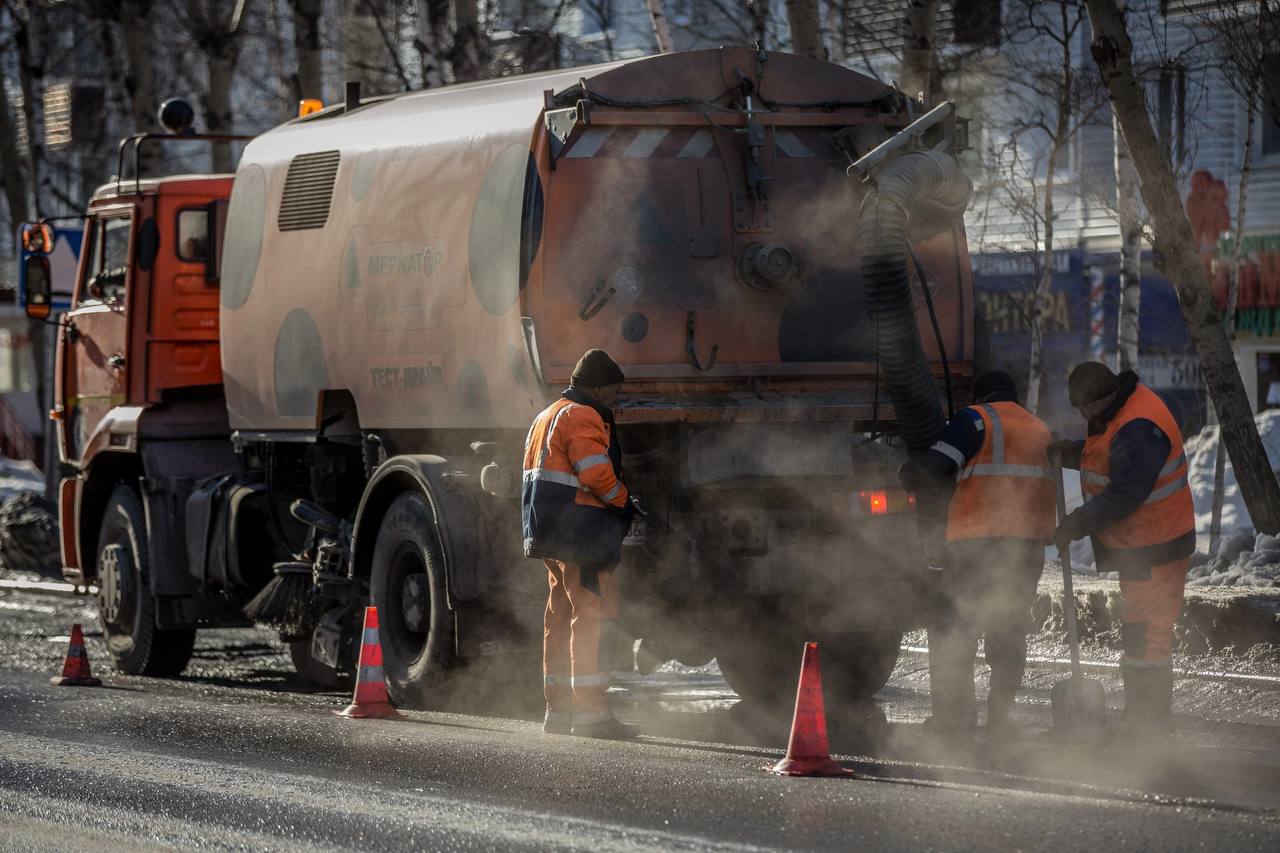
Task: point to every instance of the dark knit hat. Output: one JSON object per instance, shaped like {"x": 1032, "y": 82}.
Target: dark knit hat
{"x": 595, "y": 370}
{"x": 1090, "y": 382}
{"x": 995, "y": 386}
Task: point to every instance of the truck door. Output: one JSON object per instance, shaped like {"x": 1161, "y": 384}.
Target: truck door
{"x": 94, "y": 370}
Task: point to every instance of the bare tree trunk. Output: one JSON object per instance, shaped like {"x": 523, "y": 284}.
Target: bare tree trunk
{"x": 1176, "y": 247}
{"x": 210, "y": 24}
{"x": 433, "y": 25}
{"x": 138, "y": 48}
{"x": 11, "y": 171}
{"x": 31, "y": 79}
{"x": 1129, "y": 220}
{"x": 1233, "y": 297}
{"x": 760, "y": 21}
{"x": 919, "y": 50}
{"x": 661, "y": 32}
{"x": 308, "y": 81}
{"x": 470, "y": 48}
{"x": 806, "y": 28}
{"x": 1035, "y": 371}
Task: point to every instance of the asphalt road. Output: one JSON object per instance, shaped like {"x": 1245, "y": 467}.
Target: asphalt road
{"x": 240, "y": 756}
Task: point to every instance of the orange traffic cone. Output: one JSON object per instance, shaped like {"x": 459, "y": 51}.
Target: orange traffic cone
{"x": 807, "y": 753}
{"x": 75, "y": 669}
{"x": 370, "y": 699}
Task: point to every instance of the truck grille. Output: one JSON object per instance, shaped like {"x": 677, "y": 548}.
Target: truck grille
{"x": 308, "y": 189}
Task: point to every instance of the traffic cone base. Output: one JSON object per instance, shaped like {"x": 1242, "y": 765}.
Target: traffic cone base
{"x": 371, "y": 701}
{"x": 75, "y": 669}
{"x": 807, "y": 751}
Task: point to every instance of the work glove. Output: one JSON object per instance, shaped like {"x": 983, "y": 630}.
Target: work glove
{"x": 1069, "y": 530}
{"x": 1065, "y": 453}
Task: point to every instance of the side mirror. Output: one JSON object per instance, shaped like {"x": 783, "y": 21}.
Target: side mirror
{"x": 37, "y": 297}
{"x": 216, "y": 223}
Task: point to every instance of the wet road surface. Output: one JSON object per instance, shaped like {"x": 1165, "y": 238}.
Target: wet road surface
{"x": 239, "y": 755}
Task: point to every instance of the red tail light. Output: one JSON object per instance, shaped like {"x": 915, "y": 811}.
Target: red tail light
{"x": 887, "y": 501}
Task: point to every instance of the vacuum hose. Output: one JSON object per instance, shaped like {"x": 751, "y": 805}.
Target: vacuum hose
{"x": 914, "y": 197}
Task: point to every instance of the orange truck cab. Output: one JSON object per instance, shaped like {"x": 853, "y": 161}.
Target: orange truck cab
{"x": 331, "y": 410}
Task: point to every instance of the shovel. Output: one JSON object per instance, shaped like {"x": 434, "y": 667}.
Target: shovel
{"x": 1078, "y": 703}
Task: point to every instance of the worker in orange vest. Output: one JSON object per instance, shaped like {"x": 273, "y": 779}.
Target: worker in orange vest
{"x": 999, "y": 519}
{"x": 576, "y": 511}
{"x": 1138, "y": 510}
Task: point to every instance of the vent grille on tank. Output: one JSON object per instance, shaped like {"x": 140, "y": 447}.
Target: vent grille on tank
{"x": 308, "y": 189}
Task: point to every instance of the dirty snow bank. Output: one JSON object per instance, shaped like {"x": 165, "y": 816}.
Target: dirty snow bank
{"x": 28, "y": 521}
{"x": 1202, "y": 452}
{"x": 18, "y": 477}
{"x": 1244, "y": 558}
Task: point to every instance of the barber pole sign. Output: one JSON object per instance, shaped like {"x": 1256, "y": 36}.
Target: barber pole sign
{"x": 1097, "y": 313}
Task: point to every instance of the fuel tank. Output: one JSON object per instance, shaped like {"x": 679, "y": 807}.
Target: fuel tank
{"x": 446, "y": 256}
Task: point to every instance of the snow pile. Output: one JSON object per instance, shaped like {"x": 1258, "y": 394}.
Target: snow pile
{"x": 1243, "y": 559}
{"x": 1202, "y": 452}
{"x": 28, "y": 521}
{"x": 18, "y": 477}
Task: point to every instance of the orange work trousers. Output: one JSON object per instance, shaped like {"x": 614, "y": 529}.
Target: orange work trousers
{"x": 1149, "y": 607}
{"x": 572, "y": 680}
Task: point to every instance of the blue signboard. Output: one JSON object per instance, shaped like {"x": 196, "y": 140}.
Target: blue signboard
{"x": 1080, "y": 323}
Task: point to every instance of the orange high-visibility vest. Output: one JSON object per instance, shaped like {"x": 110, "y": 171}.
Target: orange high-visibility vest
{"x": 1006, "y": 490}
{"x": 1167, "y": 513}
{"x": 571, "y": 493}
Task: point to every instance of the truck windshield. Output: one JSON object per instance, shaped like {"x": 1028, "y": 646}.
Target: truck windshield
{"x": 109, "y": 264}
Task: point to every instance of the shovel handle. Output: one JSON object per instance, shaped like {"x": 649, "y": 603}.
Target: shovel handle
{"x": 1068, "y": 592}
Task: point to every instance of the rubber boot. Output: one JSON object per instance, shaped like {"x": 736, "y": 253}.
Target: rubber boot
{"x": 1148, "y": 701}
{"x": 557, "y": 723}
{"x": 610, "y": 729}
{"x": 1000, "y": 701}
{"x": 950, "y": 685}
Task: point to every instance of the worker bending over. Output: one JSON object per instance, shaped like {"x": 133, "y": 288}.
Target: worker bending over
{"x": 1000, "y": 517}
{"x": 576, "y": 512}
{"x": 1137, "y": 508}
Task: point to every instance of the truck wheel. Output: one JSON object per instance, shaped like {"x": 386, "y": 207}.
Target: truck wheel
{"x": 407, "y": 586}
{"x": 126, "y": 606}
{"x": 764, "y": 670}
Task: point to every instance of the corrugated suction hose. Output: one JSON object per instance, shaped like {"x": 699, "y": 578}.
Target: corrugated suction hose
{"x": 916, "y": 196}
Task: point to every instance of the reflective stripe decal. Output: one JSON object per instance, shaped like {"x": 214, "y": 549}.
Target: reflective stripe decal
{"x": 371, "y": 636}
{"x": 997, "y": 434}
{"x": 601, "y": 680}
{"x": 699, "y": 145}
{"x": 791, "y": 144}
{"x": 645, "y": 143}
{"x": 556, "y": 679}
{"x": 1174, "y": 465}
{"x": 591, "y": 462}
{"x": 590, "y": 141}
{"x": 551, "y": 477}
{"x": 370, "y": 674}
{"x": 613, "y": 493}
{"x": 1036, "y": 472}
{"x": 1167, "y": 490}
{"x": 1094, "y": 479}
{"x": 948, "y": 451}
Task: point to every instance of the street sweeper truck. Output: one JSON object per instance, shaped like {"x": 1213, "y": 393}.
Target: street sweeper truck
{"x": 287, "y": 394}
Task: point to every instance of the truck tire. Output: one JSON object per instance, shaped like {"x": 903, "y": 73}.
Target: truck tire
{"x": 763, "y": 669}
{"x": 407, "y": 585}
{"x": 126, "y": 606}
